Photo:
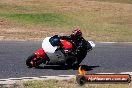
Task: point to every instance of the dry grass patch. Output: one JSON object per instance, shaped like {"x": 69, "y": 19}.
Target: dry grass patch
{"x": 99, "y": 21}
{"x": 63, "y": 84}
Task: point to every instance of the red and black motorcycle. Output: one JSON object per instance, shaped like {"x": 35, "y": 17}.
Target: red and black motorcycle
{"x": 53, "y": 55}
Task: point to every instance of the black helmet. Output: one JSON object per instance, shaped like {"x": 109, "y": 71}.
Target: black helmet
{"x": 55, "y": 40}
{"x": 76, "y": 34}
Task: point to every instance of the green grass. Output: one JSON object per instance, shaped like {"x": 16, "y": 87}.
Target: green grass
{"x": 102, "y": 27}
{"x": 98, "y": 21}
{"x": 44, "y": 19}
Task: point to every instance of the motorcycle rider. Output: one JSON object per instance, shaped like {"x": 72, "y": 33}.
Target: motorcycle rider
{"x": 65, "y": 52}
{"x": 80, "y": 45}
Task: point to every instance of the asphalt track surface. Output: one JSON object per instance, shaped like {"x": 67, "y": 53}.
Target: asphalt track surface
{"x": 105, "y": 58}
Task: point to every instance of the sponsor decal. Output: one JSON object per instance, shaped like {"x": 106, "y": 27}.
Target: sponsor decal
{"x": 83, "y": 78}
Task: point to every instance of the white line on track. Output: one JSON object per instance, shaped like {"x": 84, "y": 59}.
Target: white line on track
{"x": 59, "y": 77}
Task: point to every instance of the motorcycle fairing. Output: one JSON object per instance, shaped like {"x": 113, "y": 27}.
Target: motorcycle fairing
{"x": 40, "y": 53}
{"x": 56, "y": 58}
{"x": 47, "y": 47}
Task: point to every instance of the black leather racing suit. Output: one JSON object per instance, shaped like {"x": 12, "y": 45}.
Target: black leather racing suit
{"x": 79, "y": 47}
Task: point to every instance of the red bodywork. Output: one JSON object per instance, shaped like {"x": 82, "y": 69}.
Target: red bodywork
{"x": 66, "y": 44}
{"x": 41, "y": 53}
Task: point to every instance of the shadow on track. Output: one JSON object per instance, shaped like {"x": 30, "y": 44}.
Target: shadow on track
{"x": 56, "y": 67}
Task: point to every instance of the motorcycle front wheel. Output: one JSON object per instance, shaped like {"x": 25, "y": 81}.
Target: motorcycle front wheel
{"x": 33, "y": 61}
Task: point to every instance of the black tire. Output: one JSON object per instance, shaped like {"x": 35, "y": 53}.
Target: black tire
{"x": 81, "y": 80}
{"x": 29, "y": 59}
